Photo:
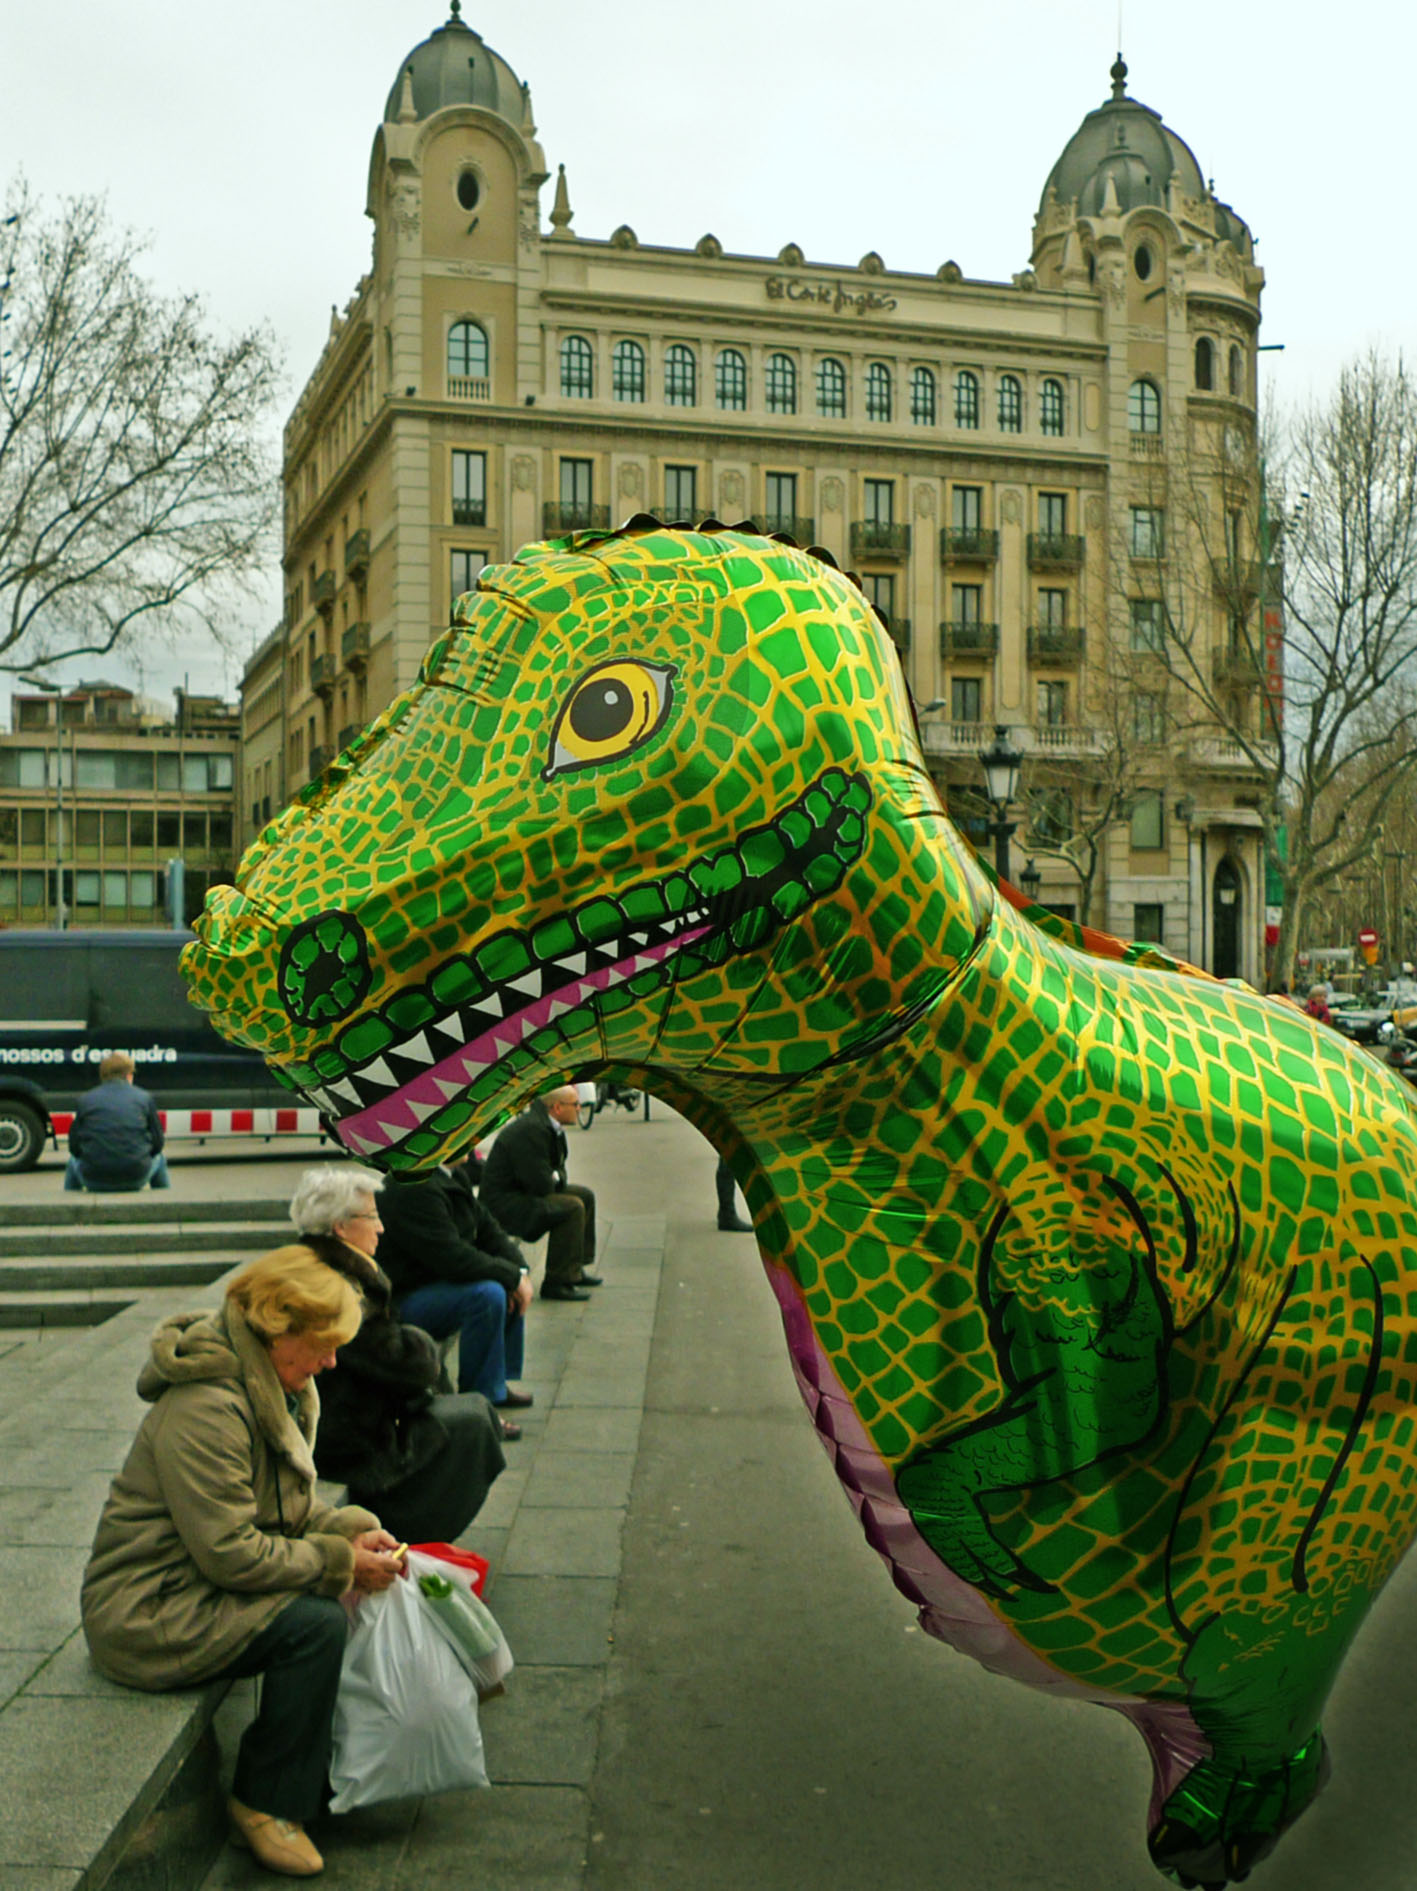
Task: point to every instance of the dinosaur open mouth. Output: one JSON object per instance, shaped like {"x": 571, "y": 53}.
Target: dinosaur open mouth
{"x": 400, "y": 1080}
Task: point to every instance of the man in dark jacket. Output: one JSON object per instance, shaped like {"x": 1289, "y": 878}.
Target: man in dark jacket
{"x": 455, "y": 1271}
{"x": 115, "y": 1140}
{"x": 524, "y": 1185}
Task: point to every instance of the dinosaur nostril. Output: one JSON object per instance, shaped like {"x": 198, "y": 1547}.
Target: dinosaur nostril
{"x": 324, "y": 969}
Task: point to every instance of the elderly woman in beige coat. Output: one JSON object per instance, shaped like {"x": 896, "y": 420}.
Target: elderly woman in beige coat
{"x": 214, "y": 1556}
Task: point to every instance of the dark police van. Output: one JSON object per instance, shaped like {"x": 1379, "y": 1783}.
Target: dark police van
{"x": 68, "y": 998}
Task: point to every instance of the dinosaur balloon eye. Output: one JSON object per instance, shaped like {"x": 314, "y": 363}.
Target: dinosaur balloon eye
{"x": 612, "y": 710}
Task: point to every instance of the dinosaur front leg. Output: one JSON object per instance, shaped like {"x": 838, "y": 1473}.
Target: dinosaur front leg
{"x": 1081, "y": 1340}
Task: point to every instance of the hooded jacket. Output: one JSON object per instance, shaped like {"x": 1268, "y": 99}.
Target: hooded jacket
{"x": 212, "y": 1525}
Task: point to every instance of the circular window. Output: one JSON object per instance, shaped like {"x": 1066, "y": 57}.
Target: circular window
{"x": 1141, "y": 262}
{"x": 469, "y": 190}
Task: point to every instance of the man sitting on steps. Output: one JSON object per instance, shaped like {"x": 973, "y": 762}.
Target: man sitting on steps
{"x": 524, "y": 1186}
{"x": 115, "y": 1141}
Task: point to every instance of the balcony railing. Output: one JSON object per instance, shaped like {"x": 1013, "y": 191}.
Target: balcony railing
{"x": 968, "y": 640}
{"x": 879, "y": 538}
{"x": 1056, "y": 549}
{"x": 469, "y": 387}
{"x": 356, "y": 553}
{"x": 561, "y": 516}
{"x": 322, "y": 593}
{"x": 950, "y": 738}
{"x": 320, "y": 759}
{"x": 968, "y": 545}
{"x": 1055, "y": 643}
{"x": 1147, "y": 446}
{"x": 796, "y": 525}
{"x": 899, "y": 628}
{"x": 469, "y": 512}
{"x": 1240, "y": 578}
{"x": 322, "y": 674}
{"x": 1069, "y": 738}
{"x": 1236, "y": 664}
{"x": 354, "y": 646}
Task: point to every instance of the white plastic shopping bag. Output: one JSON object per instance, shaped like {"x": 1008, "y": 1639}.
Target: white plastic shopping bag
{"x": 406, "y": 1714}
{"x": 490, "y": 1669}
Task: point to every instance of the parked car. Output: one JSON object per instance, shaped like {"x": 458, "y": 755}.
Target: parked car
{"x": 68, "y": 998}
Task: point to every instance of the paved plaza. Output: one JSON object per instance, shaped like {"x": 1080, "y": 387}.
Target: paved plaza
{"x": 717, "y": 1687}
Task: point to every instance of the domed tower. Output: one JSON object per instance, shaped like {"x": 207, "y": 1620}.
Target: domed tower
{"x": 454, "y": 179}
{"x": 1127, "y": 212}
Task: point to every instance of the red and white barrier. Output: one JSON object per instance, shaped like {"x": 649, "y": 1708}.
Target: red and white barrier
{"x": 179, "y": 1125}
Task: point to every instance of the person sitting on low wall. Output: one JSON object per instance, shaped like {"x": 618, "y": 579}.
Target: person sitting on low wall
{"x": 115, "y": 1140}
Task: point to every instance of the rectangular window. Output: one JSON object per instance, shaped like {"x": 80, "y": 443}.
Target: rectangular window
{"x": 880, "y": 501}
{"x": 115, "y": 831}
{"x": 1149, "y": 922}
{"x": 194, "y": 774}
{"x": 1052, "y": 705}
{"x": 575, "y": 493}
{"x": 1148, "y": 626}
{"x": 1149, "y": 719}
{"x": 966, "y": 699}
{"x": 142, "y": 890}
{"x": 1053, "y": 514}
{"x": 1148, "y": 820}
{"x": 169, "y": 833}
{"x": 96, "y": 768}
{"x": 880, "y": 591}
{"x": 221, "y": 773}
{"x": 32, "y": 830}
{"x": 1148, "y": 531}
{"x": 9, "y": 832}
{"x": 1052, "y": 610}
{"x": 86, "y": 888}
{"x": 115, "y": 891}
{"x": 781, "y": 507}
{"x": 681, "y": 493}
{"x": 464, "y": 567}
{"x": 220, "y": 825}
{"x": 32, "y": 885}
{"x": 23, "y": 768}
{"x": 194, "y": 833}
{"x": 169, "y": 774}
{"x": 140, "y": 822}
{"x": 966, "y": 603}
{"x": 9, "y": 894}
{"x": 469, "y": 488}
{"x": 86, "y": 831}
{"x": 967, "y": 508}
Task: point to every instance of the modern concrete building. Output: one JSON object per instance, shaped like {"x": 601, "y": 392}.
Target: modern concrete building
{"x": 1030, "y": 477}
{"x": 100, "y": 792}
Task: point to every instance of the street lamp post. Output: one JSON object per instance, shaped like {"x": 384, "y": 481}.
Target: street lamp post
{"x": 1030, "y": 883}
{"x": 56, "y": 690}
{"x": 1001, "y": 763}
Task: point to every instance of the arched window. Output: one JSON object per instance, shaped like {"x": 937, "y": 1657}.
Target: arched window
{"x": 577, "y": 369}
{"x": 1144, "y": 408}
{"x": 1050, "y": 407}
{"x": 966, "y": 399}
{"x": 781, "y": 384}
{"x": 831, "y": 390}
{"x": 1205, "y": 364}
{"x": 1237, "y": 372}
{"x": 730, "y": 381}
{"x": 467, "y": 352}
{"x": 922, "y": 397}
{"x": 878, "y": 391}
{"x": 681, "y": 376}
{"x": 627, "y": 371}
{"x": 1010, "y": 404}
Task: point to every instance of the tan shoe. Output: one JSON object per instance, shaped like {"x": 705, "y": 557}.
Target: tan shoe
{"x": 278, "y": 1844}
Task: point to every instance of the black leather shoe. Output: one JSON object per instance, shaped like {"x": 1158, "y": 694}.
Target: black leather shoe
{"x": 730, "y": 1224}
{"x": 588, "y": 1280}
{"x": 561, "y": 1290}
{"x": 515, "y": 1400}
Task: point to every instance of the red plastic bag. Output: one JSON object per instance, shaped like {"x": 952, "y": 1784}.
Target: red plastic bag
{"x": 469, "y": 1561}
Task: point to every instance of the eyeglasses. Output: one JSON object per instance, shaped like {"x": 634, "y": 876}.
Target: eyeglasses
{"x": 364, "y": 1217}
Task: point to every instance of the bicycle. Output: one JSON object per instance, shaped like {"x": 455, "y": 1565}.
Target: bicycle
{"x": 607, "y": 1093}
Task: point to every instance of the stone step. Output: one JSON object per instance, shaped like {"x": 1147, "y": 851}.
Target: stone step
{"x": 38, "y": 1310}
{"x": 146, "y": 1206}
{"x": 111, "y": 1271}
{"x": 137, "y": 1238}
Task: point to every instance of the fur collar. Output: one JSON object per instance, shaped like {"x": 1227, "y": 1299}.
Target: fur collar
{"x": 202, "y": 1347}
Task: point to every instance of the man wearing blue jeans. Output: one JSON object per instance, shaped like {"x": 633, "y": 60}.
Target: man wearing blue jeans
{"x": 454, "y": 1270}
{"x": 115, "y": 1140}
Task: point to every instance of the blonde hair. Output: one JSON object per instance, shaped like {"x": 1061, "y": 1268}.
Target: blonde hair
{"x": 116, "y": 1064}
{"x": 290, "y": 1290}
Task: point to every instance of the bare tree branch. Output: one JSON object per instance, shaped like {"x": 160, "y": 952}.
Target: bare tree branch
{"x": 137, "y": 489}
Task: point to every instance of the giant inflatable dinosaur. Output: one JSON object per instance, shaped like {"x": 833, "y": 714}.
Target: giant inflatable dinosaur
{"x": 1099, "y": 1277}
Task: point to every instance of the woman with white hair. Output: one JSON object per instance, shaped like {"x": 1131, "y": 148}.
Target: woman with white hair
{"x": 424, "y": 1460}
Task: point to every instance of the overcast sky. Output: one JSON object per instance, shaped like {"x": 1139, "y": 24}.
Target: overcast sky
{"x": 238, "y": 139}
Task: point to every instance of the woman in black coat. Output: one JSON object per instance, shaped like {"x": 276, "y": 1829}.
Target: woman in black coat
{"x": 423, "y": 1459}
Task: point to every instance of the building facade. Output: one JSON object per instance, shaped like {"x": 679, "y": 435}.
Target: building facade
{"x": 101, "y": 792}
{"x": 1030, "y": 478}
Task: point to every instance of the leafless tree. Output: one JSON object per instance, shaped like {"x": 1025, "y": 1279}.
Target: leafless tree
{"x": 1290, "y": 623}
{"x": 137, "y": 480}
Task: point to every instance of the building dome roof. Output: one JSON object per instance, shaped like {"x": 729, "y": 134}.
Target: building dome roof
{"x": 1125, "y": 142}
{"x": 455, "y": 66}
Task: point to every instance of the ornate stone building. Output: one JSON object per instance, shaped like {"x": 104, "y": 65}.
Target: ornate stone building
{"x": 1031, "y": 477}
